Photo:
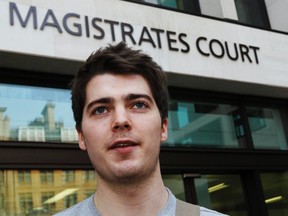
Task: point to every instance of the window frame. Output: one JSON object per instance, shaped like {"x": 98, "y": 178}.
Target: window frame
{"x": 50, "y": 155}
{"x": 263, "y": 11}
{"x": 196, "y": 9}
{"x": 263, "y": 15}
{"x": 36, "y": 155}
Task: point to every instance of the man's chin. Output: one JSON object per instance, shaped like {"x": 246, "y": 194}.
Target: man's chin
{"x": 127, "y": 176}
{"x": 128, "y": 172}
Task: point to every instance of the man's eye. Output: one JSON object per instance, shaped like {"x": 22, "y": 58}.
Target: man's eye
{"x": 100, "y": 110}
{"x": 140, "y": 105}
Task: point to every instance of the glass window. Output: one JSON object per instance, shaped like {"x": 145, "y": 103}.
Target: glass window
{"x": 46, "y": 177}
{"x": 89, "y": 175}
{"x": 2, "y": 177}
{"x": 68, "y": 176}
{"x": 205, "y": 124}
{"x": 245, "y": 11}
{"x": 219, "y": 9}
{"x": 211, "y": 8}
{"x": 223, "y": 193}
{"x": 50, "y": 207}
{"x": 2, "y": 203}
{"x": 24, "y": 177}
{"x": 175, "y": 184}
{"x": 252, "y": 12}
{"x": 25, "y": 202}
{"x": 189, "y": 6}
{"x": 70, "y": 200}
{"x": 36, "y": 114}
{"x": 278, "y": 16}
{"x": 38, "y": 199}
{"x": 275, "y": 187}
{"x": 266, "y": 128}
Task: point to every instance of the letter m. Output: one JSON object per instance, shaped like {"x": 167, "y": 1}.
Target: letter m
{"x": 14, "y": 11}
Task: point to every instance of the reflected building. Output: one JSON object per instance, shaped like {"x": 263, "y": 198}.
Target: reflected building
{"x": 43, "y": 192}
{"x": 68, "y": 134}
{"x": 48, "y": 114}
{"x": 4, "y": 125}
{"x": 42, "y": 129}
{"x": 31, "y": 133}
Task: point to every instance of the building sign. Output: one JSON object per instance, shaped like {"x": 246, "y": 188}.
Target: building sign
{"x": 181, "y": 43}
{"x": 93, "y": 27}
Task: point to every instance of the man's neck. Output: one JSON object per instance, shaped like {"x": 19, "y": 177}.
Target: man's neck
{"x": 143, "y": 199}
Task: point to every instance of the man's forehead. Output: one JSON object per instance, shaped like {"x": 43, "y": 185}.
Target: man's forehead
{"x": 117, "y": 86}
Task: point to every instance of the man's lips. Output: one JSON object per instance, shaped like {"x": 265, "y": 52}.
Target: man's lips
{"x": 122, "y": 144}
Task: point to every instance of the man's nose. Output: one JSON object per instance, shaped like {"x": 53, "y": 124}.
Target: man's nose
{"x": 121, "y": 120}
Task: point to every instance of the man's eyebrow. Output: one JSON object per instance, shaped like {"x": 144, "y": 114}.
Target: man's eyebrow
{"x": 104, "y": 100}
{"x": 132, "y": 96}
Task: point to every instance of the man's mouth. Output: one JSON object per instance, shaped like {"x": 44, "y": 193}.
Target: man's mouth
{"x": 122, "y": 144}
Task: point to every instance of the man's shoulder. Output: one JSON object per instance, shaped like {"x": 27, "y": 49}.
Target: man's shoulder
{"x": 185, "y": 208}
{"x": 209, "y": 212}
{"x": 81, "y": 208}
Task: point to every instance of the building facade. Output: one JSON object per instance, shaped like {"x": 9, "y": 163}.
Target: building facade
{"x": 227, "y": 68}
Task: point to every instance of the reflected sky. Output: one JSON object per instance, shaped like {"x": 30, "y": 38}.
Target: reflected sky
{"x": 25, "y": 103}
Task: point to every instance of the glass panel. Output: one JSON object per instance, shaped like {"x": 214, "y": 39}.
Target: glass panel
{"x": 266, "y": 128}
{"x": 36, "y": 114}
{"x": 56, "y": 192}
{"x": 205, "y": 124}
{"x": 219, "y": 8}
{"x": 211, "y": 8}
{"x": 277, "y": 12}
{"x": 176, "y": 185}
{"x": 168, "y": 3}
{"x": 251, "y": 12}
{"x": 275, "y": 186}
{"x": 189, "y": 6}
{"x": 222, "y": 193}
{"x": 245, "y": 11}
{"x": 45, "y": 192}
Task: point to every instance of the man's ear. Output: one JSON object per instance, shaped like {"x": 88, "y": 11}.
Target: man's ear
{"x": 81, "y": 140}
{"x": 164, "y": 131}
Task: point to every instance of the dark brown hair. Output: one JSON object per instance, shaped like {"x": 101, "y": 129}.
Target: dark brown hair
{"x": 119, "y": 59}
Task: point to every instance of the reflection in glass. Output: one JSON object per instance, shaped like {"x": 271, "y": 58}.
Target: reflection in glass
{"x": 275, "y": 187}
{"x": 205, "y": 124}
{"x": 68, "y": 176}
{"x": 175, "y": 184}
{"x": 36, "y": 114}
{"x": 189, "y": 6}
{"x": 244, "y": 11}
{"x": 46, "y": 177}
{"x": 251, "y": 12}
{"x": 38, "y": 198}
{"x": 223, "y": 193}
{"x": 277, "y": 12}
{"x": 46, "y": 196}
{"x": 24, "y": 177}
{"x": 213, "y": 8}
{"x": 266, "y": 128}
{"x": 25, "y": 202}
{"x": 70, "y": 200}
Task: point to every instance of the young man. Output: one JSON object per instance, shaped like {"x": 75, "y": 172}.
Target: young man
{"x": 120, "y": 105}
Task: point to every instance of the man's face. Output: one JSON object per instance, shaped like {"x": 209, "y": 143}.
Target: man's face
{"x": 121, "y": 128}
